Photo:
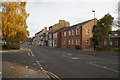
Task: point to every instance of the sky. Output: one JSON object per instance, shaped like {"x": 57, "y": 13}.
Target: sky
{"x": 45, "y": 13}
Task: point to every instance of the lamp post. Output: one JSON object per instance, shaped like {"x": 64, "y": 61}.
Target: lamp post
{"x": 94, "y": 16}
{"x": 94, "y": 25}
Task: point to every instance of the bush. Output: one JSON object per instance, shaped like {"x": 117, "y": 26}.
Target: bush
{"x": 5, "y": 47}
{"x": 100, "y": 48}
{"x": 15, "y": 46}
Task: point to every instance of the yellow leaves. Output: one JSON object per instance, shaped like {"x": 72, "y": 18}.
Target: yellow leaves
{"x": 14, "y": 22}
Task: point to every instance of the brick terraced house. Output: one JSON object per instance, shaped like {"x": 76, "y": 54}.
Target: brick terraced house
{"x": 57, "y": 37}
{"x": 79, "y": 35}
{"x": 61, "y": 24}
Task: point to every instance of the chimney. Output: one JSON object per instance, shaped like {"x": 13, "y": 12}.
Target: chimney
{"x": 45, "y": 28}
{"x": 61, "y": 21}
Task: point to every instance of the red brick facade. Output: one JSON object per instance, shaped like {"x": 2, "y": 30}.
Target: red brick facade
{"x": 57, "y": 37}
{"x": 79, "y": 35}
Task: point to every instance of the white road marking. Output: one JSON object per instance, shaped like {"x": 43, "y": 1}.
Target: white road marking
{"x": 28, "y": 54}
{"x": 75, "y": 58}
{"x": 105, "y": 62}
{"x": 38, "y": 63}
{"x": 0, "y": 72}
{"x": 69, "y": 54}
{"x": 31, "y": 53}
{"x": 103, "y": 67}
{"x": 26, "y": 76}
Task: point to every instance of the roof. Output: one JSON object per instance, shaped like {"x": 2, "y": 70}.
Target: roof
{"x": 79, "y": 24}
{"x": 39, "y": 32}
{"x": 59, "y": 29}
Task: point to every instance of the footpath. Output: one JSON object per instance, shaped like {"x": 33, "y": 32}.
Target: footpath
{"x": 12, "y": 70}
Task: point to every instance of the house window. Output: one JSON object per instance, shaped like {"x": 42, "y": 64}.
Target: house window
{"x": 50, "y": 35}
{"x": 77, "y": 41}
{"x": 62, "y": 42}
{"x": 77, "y": 31}
{"x": 105, "y": 43}
{"x": 111, "y": 43}
{"x": 116, "y": 43}
{"x": 72, "y": 32}
{"x": 87, "y": 31}
{"x": 69, "y": 33}
{"x": 55, "y": 35}
{"x": 87, "y": 42}
{"x": 72, "y": 42}
{"x": 69, "y": 42}
{"x": 64, "y": 33}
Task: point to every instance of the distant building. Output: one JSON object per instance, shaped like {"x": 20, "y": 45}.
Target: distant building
{"x": 79, "y": 35}
{"x": 37, "y": 40}
{"x": 112, "y": 40}
{"x": 61, "y": 24}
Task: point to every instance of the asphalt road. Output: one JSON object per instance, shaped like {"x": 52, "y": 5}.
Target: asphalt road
{"x": 71, "y": 63}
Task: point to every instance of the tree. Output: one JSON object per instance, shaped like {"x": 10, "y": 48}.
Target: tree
{"x": 103, "y": 28}
{"x": 14, "y": 27}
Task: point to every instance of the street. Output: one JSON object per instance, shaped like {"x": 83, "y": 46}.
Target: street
{"x": 67, "y": 63}
{"x": 71, "y": 63}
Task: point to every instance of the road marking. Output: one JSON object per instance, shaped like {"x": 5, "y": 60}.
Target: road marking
{"x": 0, "y": 73}
{"x": 103, "y": 67}
{"x": 26, "y": 76}
{"x": 51, "y": 74}
{"x": 28, "y": 54}
{"x": 38, "y": 63}
{"x": 75, "y": 58}
{"x": 69, "y": 54}
{"x": 31, "y": 53}
{"x": 105, "y": 62}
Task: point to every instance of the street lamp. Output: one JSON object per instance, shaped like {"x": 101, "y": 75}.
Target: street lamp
{"x": 94, "y": 26}
{"x": 94, "y": 16}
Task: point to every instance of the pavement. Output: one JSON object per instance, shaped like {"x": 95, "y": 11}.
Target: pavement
{"x": 13, "y": 70}
{"x": 18, "y": 64}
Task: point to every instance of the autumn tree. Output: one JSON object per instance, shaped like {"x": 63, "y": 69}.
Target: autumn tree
{"x": 103, "y": 28}
{"x": 14, "y": 27}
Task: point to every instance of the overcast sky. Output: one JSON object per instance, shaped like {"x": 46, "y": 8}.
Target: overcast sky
{"x": 45, "y": 13}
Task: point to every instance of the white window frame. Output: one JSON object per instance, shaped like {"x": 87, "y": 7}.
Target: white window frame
{"x": 64, "y": 42}
{"x": 64, "y": 33}
{"x": 77, "y": 31}
{"x": 77, "y": 41}
{"x": 69, "y": 42}
{"x": 72, "y": 32}
{"x": 50, "y": 35}
{"x": 111, "y": 43}
{"x": 72, "y": 42}
{"x": 105, "y": 43}
{"x": 87, "y": 31}
{"x": 69, "y": 33}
